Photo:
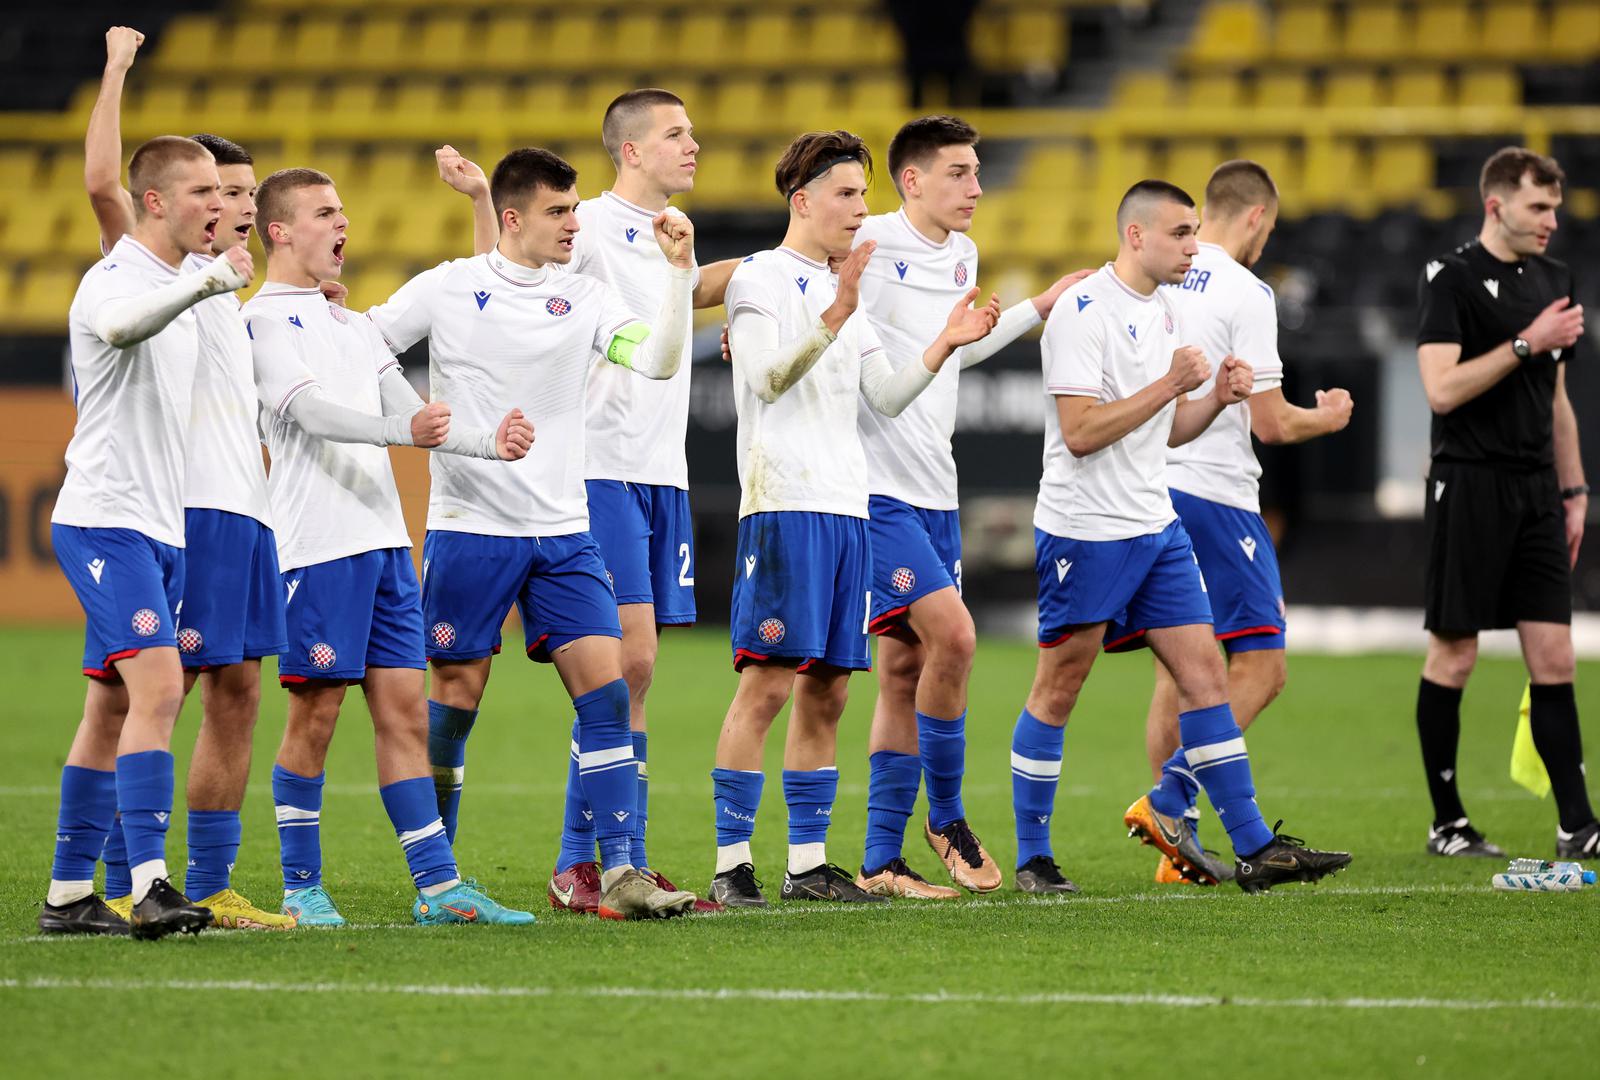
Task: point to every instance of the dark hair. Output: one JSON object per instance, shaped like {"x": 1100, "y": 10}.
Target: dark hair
{"x": 523, "y": 171}
{"x": 919, "y": 140}
{"x": 1238, "y": 185}
{"x": 1145, "y": 194}
{"x": 624, "y": 115}
{"x": 273, "y": 198}
{"x": 813, "y": 154}
{"x": 150, "y": 168}
{"x": 226, "y": 151}
{"x": 1503, "y": 172}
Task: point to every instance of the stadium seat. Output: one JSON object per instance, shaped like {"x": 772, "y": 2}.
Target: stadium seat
{"x": 1280, "y": 158}
{"x": 159, "y": 107}
{"x": 775, "y": 39}
{"x": 1285, "y": 88}
{"x": 354, "y": 97}
{"x": 1230, "y": 31}
{"x": 1401, "y": 169}
{"x": 254, "y": 46}
{"x": 1445, "y": 31}
{"x": 188, "y": 43}
{"x": 46, "y": 294}
{"x": 1351, "y": 89}
{"x": 19, "y": 165}
{"x": 1490, "y": 87}
{"x": 319, "y": 43}
{"x": 448, "y": 44}
{"x": 1142, "y": 91}
{"x": 704, "y": 41}
{"x": 226, "y": 105}
{"x": 877, "y": 99}
{"x": 1374, "y": 32}
{"x": 422, "y": 102}
{"x": 1052, "y": 168}
{"x": 374, "y": 283}
{"x": 1214, "y": 90}
{"x": 809, "y": 102}
{"x": 1036, "y": 39}
{"x": 1303, "y": 32}
{"x": 297, "y": 96}
{"x": 1419, "y": 87}
{"x": 637, "y": 32}
{"x": 1189, "y": 163}
{"x": 1512, "y": 31}
{"x": 1574, "y": 31}
{"x": 1334, "y": 175}
{"x": 382, "y": 42}
{"x": 509, "y": 39}
{"x": 33, "y": 225}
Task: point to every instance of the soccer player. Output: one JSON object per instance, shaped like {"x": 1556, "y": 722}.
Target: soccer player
{"x": 922, "y": 264}
{"x": 801, "y": 583}
{"x": 231, "y": 613}
{"x": 1506, "y": 497}
{"x": 509, "y": 326}
{"x": 332, "y": 399}
{"x": 1214, "y": 479}
{"x": 118, "y": 532}
{"x": 1115, "y": 565}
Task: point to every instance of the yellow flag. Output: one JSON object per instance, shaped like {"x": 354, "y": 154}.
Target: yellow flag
{"x": 1527, "y": 768}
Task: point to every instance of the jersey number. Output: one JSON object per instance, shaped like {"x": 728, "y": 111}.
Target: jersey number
{"x": 684, "y": 577}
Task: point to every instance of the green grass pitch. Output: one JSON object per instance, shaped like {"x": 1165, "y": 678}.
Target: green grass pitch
{"x": 1404, "y": 964}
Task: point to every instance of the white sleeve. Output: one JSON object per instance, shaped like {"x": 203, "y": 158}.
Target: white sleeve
{"x": 1015, "y": 321}
{"x": 128, "y": 320}
{"x": 654, "y": 351}
{"x": 1255, "y": 337}
{"x": 771, "y": 369}
{"x": 1074, "y": 352}
{"x": 401, "y": 402}
{"x": 407, "y": 317}
{"x": 281, "y": 371}
{"x": 318, "y": 416}
{"x": 887, "y": 390}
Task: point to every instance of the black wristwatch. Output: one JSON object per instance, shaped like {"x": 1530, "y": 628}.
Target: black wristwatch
{"x": 1521, "y": 348}
{"x": 1574, "y": 491}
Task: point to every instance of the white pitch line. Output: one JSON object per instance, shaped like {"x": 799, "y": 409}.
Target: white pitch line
{"x": 788, "y": 994}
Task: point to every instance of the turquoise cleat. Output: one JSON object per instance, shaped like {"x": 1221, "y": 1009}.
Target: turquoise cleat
{"x": 466, "y": 903}
{"x": 312, "y": 906}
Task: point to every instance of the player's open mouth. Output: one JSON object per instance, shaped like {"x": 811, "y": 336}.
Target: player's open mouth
{"x": 565, "y": 243}
{"x": 338, "y": 251}
{"x": 211, "y": 230}
{"x": 243, "y": 230}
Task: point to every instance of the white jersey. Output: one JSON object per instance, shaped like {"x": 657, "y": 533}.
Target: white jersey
{"x": 329, "y": 500}
{"x": 1105, "y": 341}
{"x": 636, "y": 426}
{"x": 803, "y": 451}
{"x": 126, "y": 460}
{"x": 225, "y": 470}
{"x": 503, "y": 336}
{"x": 1226, "y": 309}
{"x": 907, "y": 291}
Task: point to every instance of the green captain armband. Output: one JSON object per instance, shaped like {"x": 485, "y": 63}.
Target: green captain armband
{"x": 625, "y": 342}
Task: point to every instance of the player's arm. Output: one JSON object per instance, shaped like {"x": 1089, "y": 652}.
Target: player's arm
{"x": 125, "y": 321}
{"x": 1193, "y": 415}
{"x": 290, "y": 392}
{"x": 656, "y": 351}
{"x": 713, "y": 285}
{"x": 430, "y": 426}
{"x": 102, "y": 142}
{"x": 1569, "y": 466}
{"x": 1089, "y": 425}
{"x": 1018, "y": 319}
{"x": 1278, "y": 422}
{"x": 468, "y": 178}
{"x": 889, "y": 391}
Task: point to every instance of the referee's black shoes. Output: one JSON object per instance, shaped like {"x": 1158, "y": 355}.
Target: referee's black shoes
{"x": 1286, "y": 859}
{"x": 1582, "y": 844}
{"x": 1460, "y": 840}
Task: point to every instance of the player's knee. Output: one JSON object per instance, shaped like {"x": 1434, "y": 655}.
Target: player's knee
{"x": 638, "y": 671}
{"x": 765, "y": 692}
{"x": 1202, "y": 682}
{"x": 1450, "y": 663}
{"x": 898, "y": 672}
{"x": 953, "y": 648}
{"x": 826, "y": 698}
{"x": 1556, "y": 663}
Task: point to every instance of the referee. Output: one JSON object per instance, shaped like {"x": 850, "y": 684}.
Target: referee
{"x": 1506, "y": 497}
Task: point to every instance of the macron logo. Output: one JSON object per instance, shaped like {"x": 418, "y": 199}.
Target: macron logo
{"x": 1062, "y": 566}
{"x": 294, "y": 320}
{"x": 588, "y": 815}
{"x": 749, "y": 565}
{"x": 1133, "y": 333}
{"x": 1432, "y": 269}
{"x": 1248, "y": 543}
{"x": 900, "y": 267}
{"x": 293, "y": 585}
{"x": 1493, "y": 286}
{"x": 1084, "y": 301}
{"x": 630, "y": 234}
{"x": 620, "y": 815}
{"x": 97, "y": 567}
{"x": 1438, "y": 490}
{"x": 802, "y": 282}
{"x": 482, "y": 297}
{"x": 160, "y": 817}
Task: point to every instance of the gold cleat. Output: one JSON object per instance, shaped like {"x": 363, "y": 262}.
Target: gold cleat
{"x": 1169, "y": 873}
{"x": 122, "y": 905}
{"x": 898, "y": 879}
{"x": 230, "y": 911}
{"x": 963, "y": 855}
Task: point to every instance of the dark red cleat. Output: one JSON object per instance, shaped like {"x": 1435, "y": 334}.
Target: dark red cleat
{"x": 576, "y": 889}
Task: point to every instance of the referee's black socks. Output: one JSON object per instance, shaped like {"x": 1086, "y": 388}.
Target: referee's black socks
{"x": 1554, "y": 718}
{"x": 1439, "y": 728}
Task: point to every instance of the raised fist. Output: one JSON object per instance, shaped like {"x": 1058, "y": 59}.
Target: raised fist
{"x": 514, "y": 437}
{"x": 430, "y": 425}
{"x": 459, "y": 172}
{"x": 238, "y": 257}
{"x": 675, "y": 234}
{"x": 121, "y": 43}
{"x": 1189, "y": 369}
{"x": 1338, "y": 405}
{"x": 1235, "y": 380}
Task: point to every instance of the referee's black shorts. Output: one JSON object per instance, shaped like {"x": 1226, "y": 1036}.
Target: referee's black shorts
{"x": 1497, "y": 549}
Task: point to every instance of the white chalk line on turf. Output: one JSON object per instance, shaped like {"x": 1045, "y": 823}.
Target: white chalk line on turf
{"x": 787, "y": 994}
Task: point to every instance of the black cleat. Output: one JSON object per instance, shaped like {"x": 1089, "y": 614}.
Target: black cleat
{"x": 164, "y": 910}
{"x": 1040, "y": 874}
{"x": 1582, "y": 844}
{"x": 738, "y": 888}
{"x": 1286, "y": 859}
{"x": 88, "y": 915}
{"x": 1458, "y": 839}
{"x": 827, "y": 882}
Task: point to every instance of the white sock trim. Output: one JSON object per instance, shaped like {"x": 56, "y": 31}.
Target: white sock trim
{"x": 609, "y": 877}
{"x": 439, "y": 887}
{"x": 63, "y": 893}
{"x": 731, "y": 855}
{"x": 145, "y": 875}
{"x": 803, "y": 857}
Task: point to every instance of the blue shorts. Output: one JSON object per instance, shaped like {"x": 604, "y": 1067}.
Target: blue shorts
{"x": 1134, "y": 586}
{"x": 232, "y": 595}
{"x": 646, "y": 537}
{"x": 470, "y": 582}
{"x": 1241, "y": 569}
{"x": 800, "y": 590}
{"x": 349, "y": 614}
{"x": 130, "y": 587}
{"x": 914, "y": 552}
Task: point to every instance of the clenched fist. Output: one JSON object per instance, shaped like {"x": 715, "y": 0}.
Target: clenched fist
{"x": 514, "y": 438}
{"x": 430, "y": 425}
{"x": 121, "y": 43}
{"x": 675, "y": 235}
{"x": 1235, "y": 380}
{"x": 1189, "y": 369}
{"x": 239, "y": 258}
{"x": 1337, "y": 405}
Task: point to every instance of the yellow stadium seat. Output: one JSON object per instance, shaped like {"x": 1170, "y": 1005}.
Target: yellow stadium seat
{"x": 1511, "y": 31}
{"x": 1189, "y": 164}
{"x": 337, "y": 161}
{"x": 296, "y": 96}
{"x": 1215, "y": 90}
{"x": 1303, "y": 32}
{"x": 1287, "y": 88}
{"x": 987, "y": 39}
{"x": 1281, "y": 160}
{"x": 159, "y": 105}
{"x": 1123, "y": 164}
{"x": 877, "y": 96}
{"x": 64, "y": 173}
{"x": 79, "y": 230}
{"x": 1445, "y": 31}
{"x": 579, "y": 40}
{"x": 188, "y": 44}
{"x": 1230, "y": 31}
{"x": 401, "y": 169}
{"x": 319, "y": 42}
{"x": 547, "y": 97}
{"x": 1038, "y": 38}
{"x": 33, "y": 227}
{"x": 46, "y": 295}
{"x": 380, "y": 41}
{"x": 637, "y": 33}
{"x": 224, "y": 105}
{"x": 373, "y": 285}
{"x": 1374, "y": 32}
{"x": 595, "y": 94}
{"x": 1351, "y": 89}
{"x": 510, "y": 38}
{"x": 1575, "y": 31}
{"x": 1401, "y": 169}
{"x": 254, "y": 46}
{"x": 809, "y": 102}
{"x": 447, "y": 44}
{"x": 431, "y": 231}
{"x": 489, "y": 97}
{"x": 704, "y": 42}
{"x": 1143, "y": 90}
{"x": 355, "y": 97}
{"x": 1493, "y": 86}
{"x": 775, "y": 39}
{"x": 723, "y": 179}
{"x": 1333, "y": 173}
{"x": 1053, "y": 168}
{"x": 421, "y": 101}
{"x": 742, "y": 104}
{"x": 19, "y": 165}
{"x": 596, "y": 173}
{"x": 1416, "y": 87}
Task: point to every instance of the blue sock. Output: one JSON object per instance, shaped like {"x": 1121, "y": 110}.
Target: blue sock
{"x": 1175, "y": 793}
{"x": 942, "y": 745}
{"x": 1035, "y": 771}
{"x": 414, "y": 812}
{"x": 810, "y": 794}
{"x": 641, "y": 818}
{"x": 891, "y": 793}
{"x": 144, "y": 799}
{"x": 88, "y": 811}
{"x": 736, "y": 795}
{"x": 577, "y": 822}
{"x": 606, "y": 769}
{"x": 298, "y": 802}
{"x": 448, "y": 728}
{"x": 1214, "y": 748}
{"x": 119, "y": 882}
{"x": 213, "y": 847}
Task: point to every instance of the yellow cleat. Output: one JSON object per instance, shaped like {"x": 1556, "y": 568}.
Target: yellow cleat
{"x": 230, "y": 911}
{"x": 122, "y": 905}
